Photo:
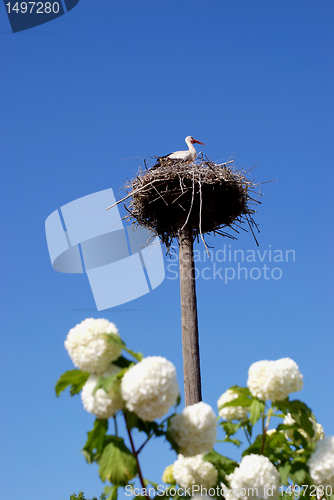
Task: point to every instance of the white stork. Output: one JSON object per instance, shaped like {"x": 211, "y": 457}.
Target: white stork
{"x": 186, "y": 156}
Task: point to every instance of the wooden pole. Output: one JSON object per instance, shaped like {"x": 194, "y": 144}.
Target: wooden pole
{"x": 190, "y": 346}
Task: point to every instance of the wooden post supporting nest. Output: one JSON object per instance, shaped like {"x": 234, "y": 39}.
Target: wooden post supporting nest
{"x": 186, "y": 201}
{"x": 190, "y": 345}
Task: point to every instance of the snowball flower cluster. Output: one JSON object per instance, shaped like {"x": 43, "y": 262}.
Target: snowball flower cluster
{"x": 102, "y": 404}
{"x": 195, "y": 429}
{"x": 274, "y": 380}
{"x": 317, "y": 428}
{"x": 228, "y": 494}
{"x": 150, "y": 387}
{"x": 194, "y": 471}
{"x": 321, "y": 463}
{"x": 167, "y": 476}
{"x": 319, "y": 432}
{"x": 255, "y": 471}
{"x": 231, "y": 412}
{"x": 88, "y": 348}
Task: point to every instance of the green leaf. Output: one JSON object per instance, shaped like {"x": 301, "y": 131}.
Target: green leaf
{"x": 232, "y": 440}
{"x": 95, "y": 442}
{"x": 180, "y": 497}
{"x": 255, "y": 447}
{"x": 147, "y": 482}
{"x": 75, "y": 378}
{"x": 137, "y": 355}
{"x": 223, "y": 464}
{"x": 301, "y": 413}
{"x": 286, "y": 496}
{"x": 246, "y": 425}
{"x": 256, "y": 409}
{"x": 169, "y": 493}
{"x": 169, "y": 435}
{"x": 115, "y": 339}
{"x": 241, "y": 390}
{"x": 299, "y": 473}
{"x": 111, "y": 491}
{"x": 122, "y": 362}
{"x": 275, "y": 440}
{"x": 166, "y": 493}
{"x": 149, "y": 428}
{"x": 242, "y": 400}
{"x": 106, "y": 383}
{"x": 230, "y": 428}
{"x": 117, "y": 463}
{"x": 284, "y": 471}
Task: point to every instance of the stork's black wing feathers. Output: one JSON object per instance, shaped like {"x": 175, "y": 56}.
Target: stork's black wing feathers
{"x": 159, "y": 159}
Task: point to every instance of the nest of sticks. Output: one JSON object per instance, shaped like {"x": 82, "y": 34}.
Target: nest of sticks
{"x": 211, "y": 197}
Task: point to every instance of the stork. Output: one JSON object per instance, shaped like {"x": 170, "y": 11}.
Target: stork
{"x": 186, "y": 156}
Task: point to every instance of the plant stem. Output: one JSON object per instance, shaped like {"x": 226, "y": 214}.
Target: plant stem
{"x": 142, "y": 446}
{"x": 265, "y": 428}
{"x": 115, "y": 422}
{"x": 263, "y": 435}
{"x": 244, "y": 428}
{"x": 270, "y": 412}
{"x": 135, "y": 454}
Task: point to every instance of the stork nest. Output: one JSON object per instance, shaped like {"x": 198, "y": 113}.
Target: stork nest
{"x": 209, "y": 196}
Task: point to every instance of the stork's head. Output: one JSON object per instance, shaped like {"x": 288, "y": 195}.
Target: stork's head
{"x": 191, "y": 140}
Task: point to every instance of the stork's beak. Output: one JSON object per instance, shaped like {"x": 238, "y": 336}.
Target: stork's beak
{"x": 198, "y": 142}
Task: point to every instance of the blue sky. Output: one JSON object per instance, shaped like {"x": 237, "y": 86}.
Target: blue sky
{"x": 84, "y": 99}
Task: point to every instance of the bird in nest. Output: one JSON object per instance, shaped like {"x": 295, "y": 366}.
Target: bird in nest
{"x": 186, "y": 156}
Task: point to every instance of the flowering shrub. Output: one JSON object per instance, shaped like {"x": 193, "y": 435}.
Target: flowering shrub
{"x": 274, "y": 380}
{"x": 150, "y": 388}
{"x": 255, "y": 471}
{"x": 88, "y": 347}
{"x": 321, "y": 463}
{"x": 318, "y": 431}
{"x": 101, "y": 403}
{"x": 195, "y": 429}
{"x": 191, "y": 471}
{"x": 142, "y": 390}
{"x": 231, "y": 412}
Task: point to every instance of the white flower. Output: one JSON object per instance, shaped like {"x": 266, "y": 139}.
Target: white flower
{"x": 150, "y": 388}
{"x": 227, "y": 493}
{"x": 88, "y": 348}
{"x": 195, "y": 429}
{"x": 102, "y": 404}
{"x": 288, "y": 420}
{"x": 191, "y": 471}
{"x": 274, "y": 380}
{"x": 319, "y": 432}
{"x": 257, "y": 472}
{"x": 321, "y": 463}
{"x": 231, "y": 412}
{"x": 317, "y": 428}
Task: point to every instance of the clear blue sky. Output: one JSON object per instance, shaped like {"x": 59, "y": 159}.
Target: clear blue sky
{"x": 110, "y": 81}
